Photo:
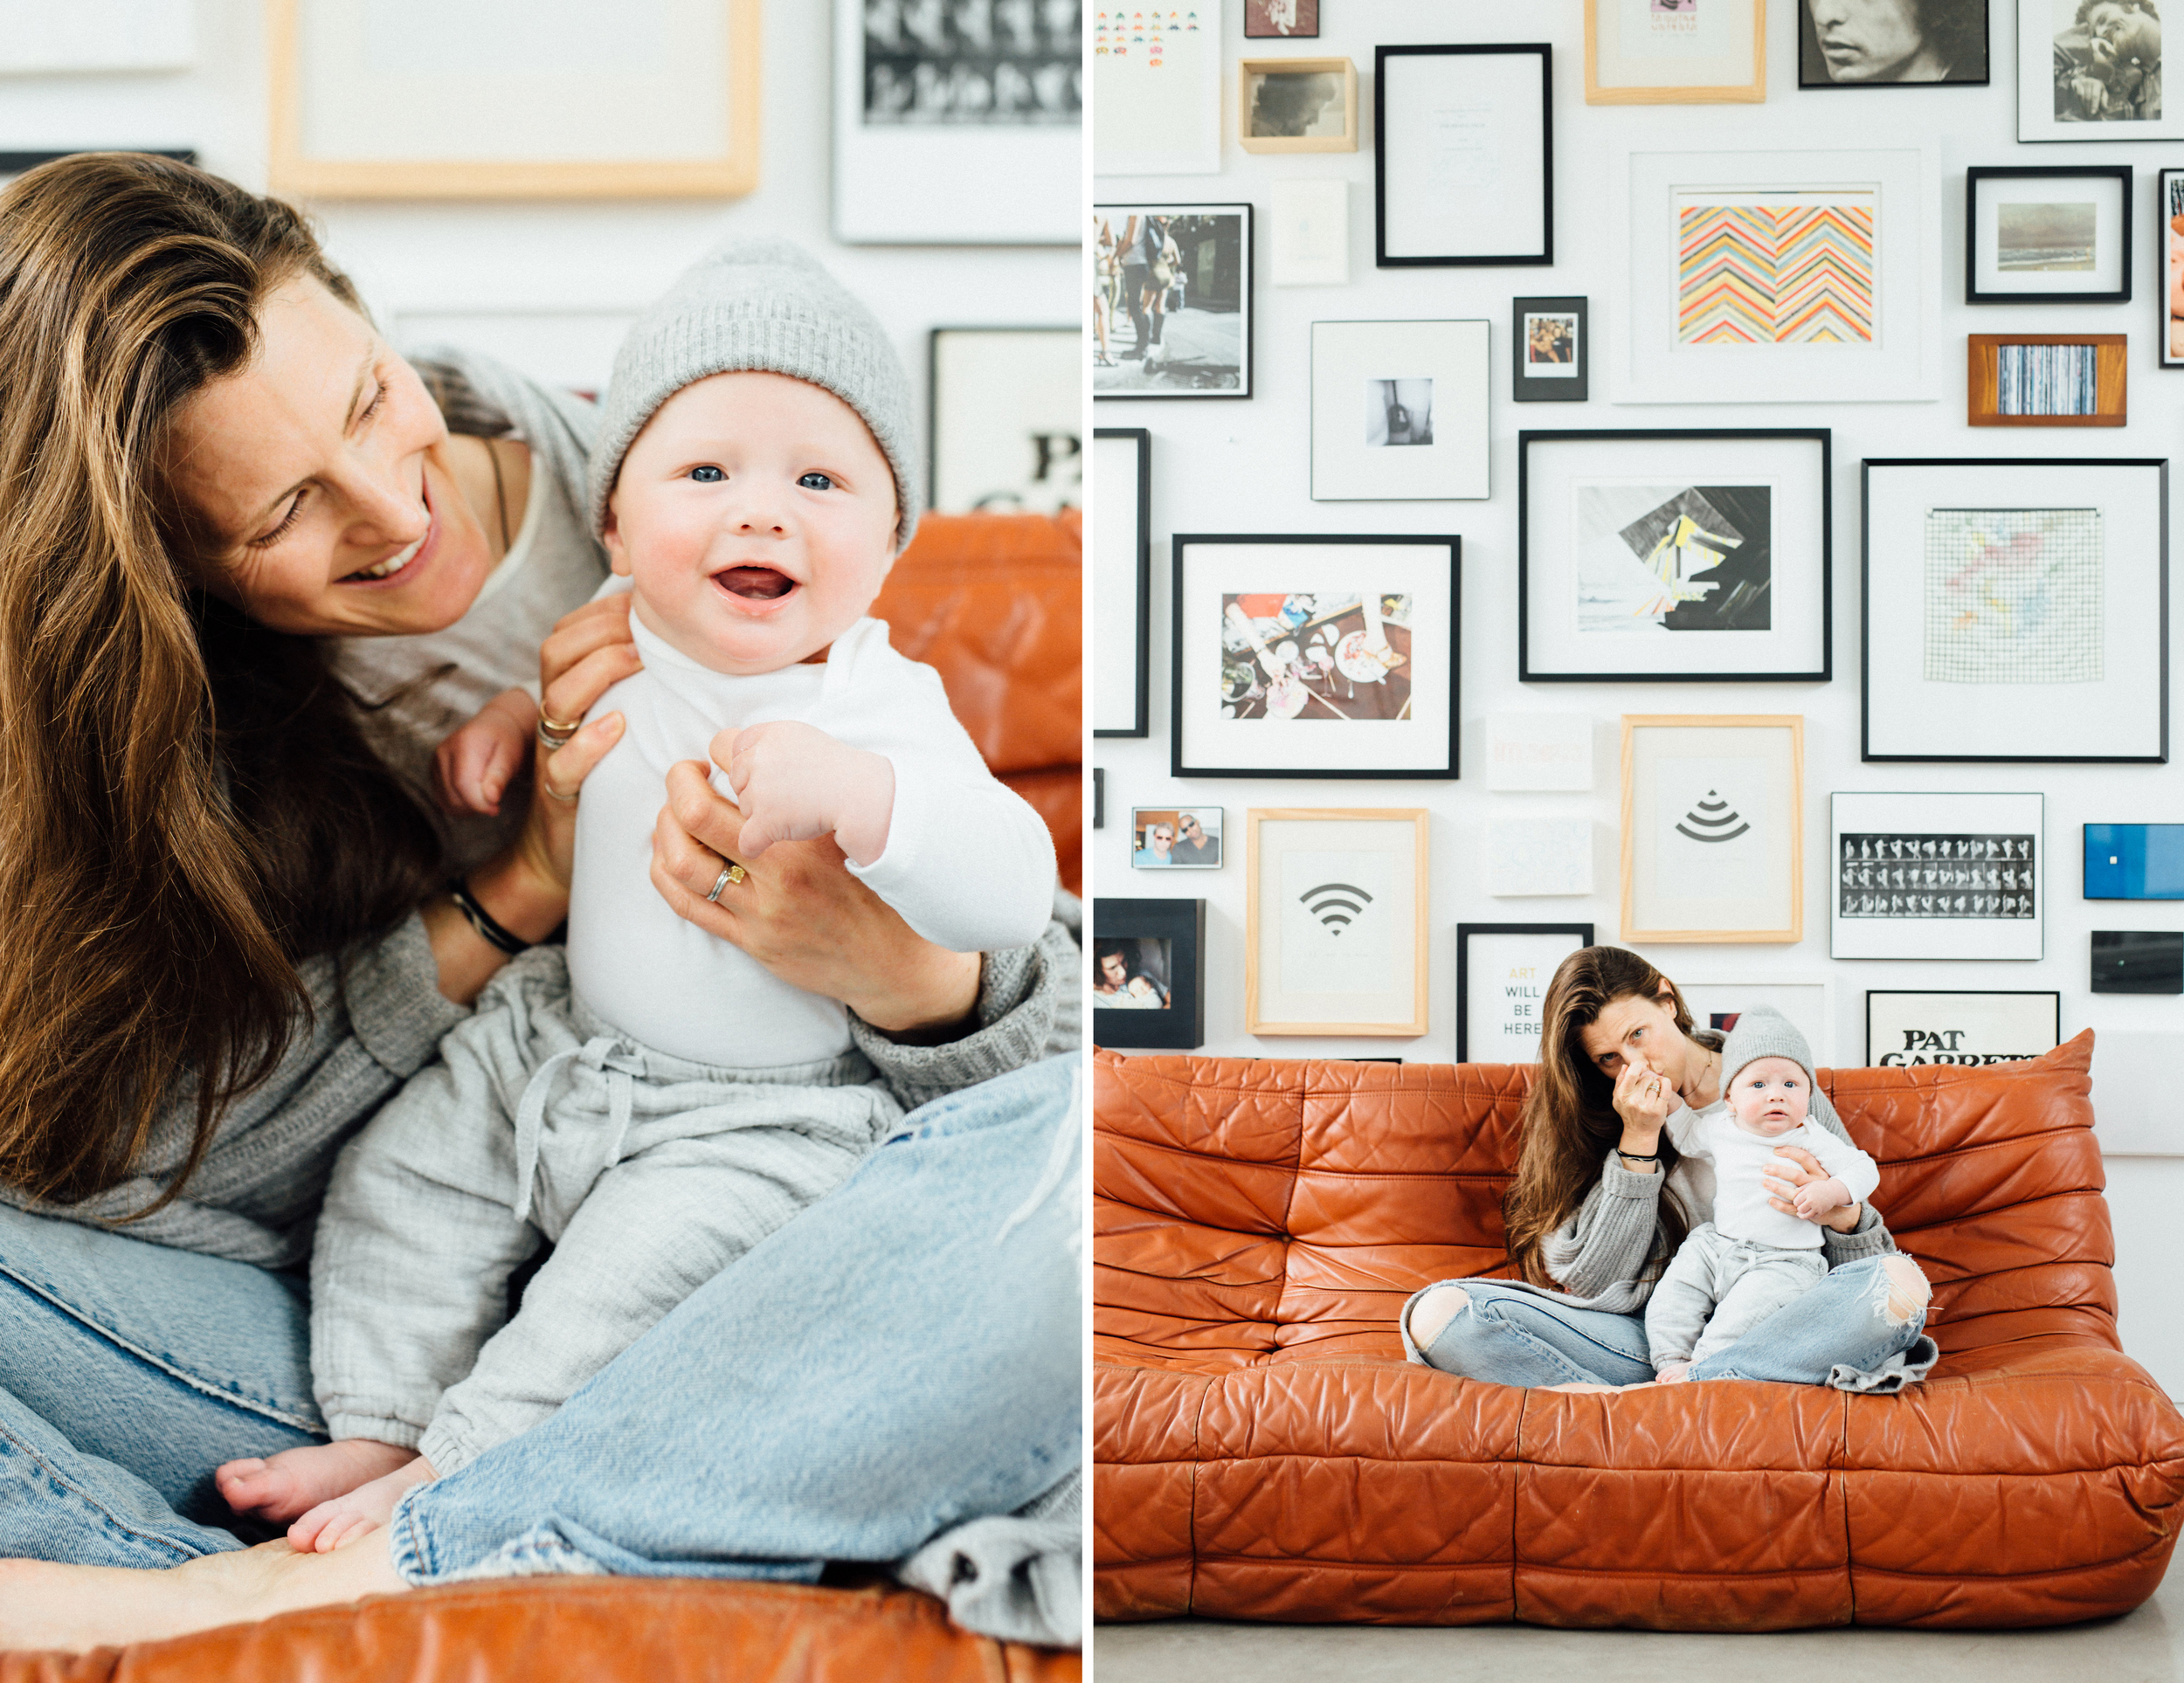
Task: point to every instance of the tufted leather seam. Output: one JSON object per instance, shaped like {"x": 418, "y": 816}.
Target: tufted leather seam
{"x": 1898, "y": 1233}
{"x": 1198, "y": 1437}
{"x": 1966, "y": 1149}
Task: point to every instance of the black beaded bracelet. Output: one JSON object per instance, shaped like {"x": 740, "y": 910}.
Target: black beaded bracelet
{"x": 1638, "y": 1156}
{"x": 481, "y": 920}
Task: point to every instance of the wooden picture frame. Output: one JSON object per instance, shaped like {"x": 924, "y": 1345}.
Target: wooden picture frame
{"x": 1248, "y": 92}
{"x": 1122, "y": 580}
{"x": 1163, "y": 941}
{"x": 1428, "y": 212}
{"x": 1620, "y": 72}
{"x": 1937, "y": 874}
{"x": 1959, "y": 1025}
{"x": 1507, "y": 949}
{"x": 2046, "y": 246}
{"x": 1750, "y": 838}
{"x": 1387, "y": 847}
{"x": 1991, "y": 380}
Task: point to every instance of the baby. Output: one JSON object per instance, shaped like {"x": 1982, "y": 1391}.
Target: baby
{"x": 1734, "y": 1271}
{"x": 656, "y": 1102}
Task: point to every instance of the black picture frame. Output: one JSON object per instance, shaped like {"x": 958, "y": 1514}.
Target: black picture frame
{"x": 2137, "y": 961}
{"x": 1545, "y": 254}
{"x": 1181, "y": 923}
{"x": 1141, "y": 684}
{"x": 1528, "y": 672}
{"x": 1099, "y": 798}
{"x": 1244, "y": 279}
{"x": 1950, "y": 1055}
{"x": 1181, "y": 628}
{"x": 14, "y": 163}
{"x": 1464, "y": 933}
{"x": 1525, "y": 387}
{"x": 1812, "y": 71}
{"x": 2120, "y": 174}
{"x": 2168, "y": 264}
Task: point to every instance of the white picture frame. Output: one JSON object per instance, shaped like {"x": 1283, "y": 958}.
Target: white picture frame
{"x": 1005, "y": 419}
{"x": 1502, "y": 970}
{"x": 1399, "y": 411}
{"x": 1887, "y": 878}
{"x": 1309, "y": 221}
{"x": 2052, "y": 104}
{"x": 1121, "y": 645}
{"x": 1713, "y": 841}
{"x": 1808, "y": 1002}
{"x": 1336, "y": 927}
{"x": 1155, "y": 120}
{"x": 1908, "y": 1027}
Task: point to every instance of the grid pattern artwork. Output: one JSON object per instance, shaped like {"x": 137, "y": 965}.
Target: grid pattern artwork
{"x": 1936, "y": 876}
{"x": 1774, "y": 272}
{"x": 2047, "y": 380}
{"x": 2013, "y": 595}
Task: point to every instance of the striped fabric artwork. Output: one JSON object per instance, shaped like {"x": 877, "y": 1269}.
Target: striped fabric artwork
{"x": 1774, "y": 273}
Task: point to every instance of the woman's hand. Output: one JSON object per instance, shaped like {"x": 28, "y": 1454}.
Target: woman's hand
{"x": 1793, "y": 1167}
{"x": 1643, "y": 1099}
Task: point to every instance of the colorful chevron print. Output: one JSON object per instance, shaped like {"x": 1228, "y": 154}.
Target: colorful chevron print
{"x": 1775, "y": 272}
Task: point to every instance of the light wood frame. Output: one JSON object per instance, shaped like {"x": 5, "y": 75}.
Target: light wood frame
{"x": 1752, "y": 93}
{"x": 733, "y": 173}
{"x": 1421, "y": 937}
{"x": 1345, "y": 141}
{"x": 2111, "y": 357}
{"x": 1795, "y": 723}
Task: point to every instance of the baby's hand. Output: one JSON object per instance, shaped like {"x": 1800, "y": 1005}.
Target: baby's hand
{"x": 795, "y": 782}
{"x": 1817, "y": 1198}
{"x": 475, "y": 767}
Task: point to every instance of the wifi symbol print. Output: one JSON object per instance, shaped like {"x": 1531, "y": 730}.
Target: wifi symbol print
{"x": 1336, "y": 904}
{"x": 1712, "y": 820}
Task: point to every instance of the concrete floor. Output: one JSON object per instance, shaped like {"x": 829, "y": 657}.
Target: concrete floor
{"x": 2144, "y": 1646}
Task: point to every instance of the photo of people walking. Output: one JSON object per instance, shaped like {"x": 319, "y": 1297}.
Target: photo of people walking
{"x": 1171, "y": 307}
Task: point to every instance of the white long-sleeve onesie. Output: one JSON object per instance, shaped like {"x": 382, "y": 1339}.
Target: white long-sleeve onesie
{"x": 1741, "y": 1210}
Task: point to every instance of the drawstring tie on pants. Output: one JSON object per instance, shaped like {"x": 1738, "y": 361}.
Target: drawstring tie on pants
{"x": 604, "y": 1052}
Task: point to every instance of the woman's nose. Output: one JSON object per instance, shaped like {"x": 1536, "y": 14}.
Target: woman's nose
{"x": 387, "y": 501}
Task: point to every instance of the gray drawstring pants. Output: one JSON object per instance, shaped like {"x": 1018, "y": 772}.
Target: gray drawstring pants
{"x": 1720, "y": 1288}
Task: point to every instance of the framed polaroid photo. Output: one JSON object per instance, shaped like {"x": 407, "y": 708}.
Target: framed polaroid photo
{"x": 2089, "y": 71}
{"x": 1464, "y": 155}
{"x": 2134, "y": 861}
{"x": 1121, "y": 580}
{"x": 1654, "y": 556}
{"x": 1309, "y": 656}
{"x": 1149, "y": 974}
{"x": 1399, "y": 411}
{"x": 1925, "y": 44}
{"x": 1297, "y": 105}
{"x": 1336, "y": 934}
{"x": 1501, "y": 975}
{"x": 1172, "y": 313}
{"x": 2048, "y": 235}
{"x": 2049, "y": 379}
{"x": 1551, "y": 349}
{"x": 1936, "y": 876}
{"x": 1676, "y": 51}
{"x": 2138, "y": 961}
{"x": 1984, "y": 1025}
{"x": 1156, "y": 90}
{"x": 1006, "y": 423}
{"x": 1281, "y": 20}
{"x": 1713, "y": 827}
{"x": 1778, "y": 276}
{"x": 2016, "y": 610}
{"x": 1716, "y": 1002}
{"x": 1175, "y": 837}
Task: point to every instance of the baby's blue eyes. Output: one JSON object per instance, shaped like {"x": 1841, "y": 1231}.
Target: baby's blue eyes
{"x": 707, "y": 475}
{"x": 816, "y": 482}
{"x": 711, "y": 475}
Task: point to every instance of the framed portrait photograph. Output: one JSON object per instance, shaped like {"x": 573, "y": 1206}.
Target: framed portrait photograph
{"x": 1652, "y": 556}
{"x": 1121, "y": 645}
{"x": 1550, "y": 351}
{"x": 2091, "y": 70}
{"x": 1399, "y": 411}
{"x": 2138, "y": 961}
{"x": 1156, "y": 90}
{"x": 1149, "y": 974}
{"x": 2048, "y": 235}
{"x": 2046, "y": 379}
{"x": 1172, "y": 308}
{"x": 1984, "y": 1025}
{"x": 1676, "y": 51}
{"x": 1501, "y": 975}
{"x": 1716, "y": 1002}
{"x": 1892, "y": 43}
{"x": 2134, "y": 861}
{"x": 1936, "y": 876}
{"x": 2016, "y": 610}
{"x": 1713, "y": 827}
{"x": 1309, "y": 656}
{"x": 1175, "y": 837}
{"x": 1335, "y": 920}
{"x": 1281, "y": 20}
{"x": 1005, "y": 424}
{"x": 1297, "y": 105}
{"x": 1464, "y": 155}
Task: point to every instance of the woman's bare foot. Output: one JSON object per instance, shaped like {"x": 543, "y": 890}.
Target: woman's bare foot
{"x": 354, "y": 1511}
{"x": 287, "y": 1486}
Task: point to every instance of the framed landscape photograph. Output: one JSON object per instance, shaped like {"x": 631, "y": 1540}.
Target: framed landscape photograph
{"x": 1713, "y": 828}
{"x": 1174, "y": 312}
{"x": 1006, "y": 423}
{"x": 1121, "y": 580}
{"x": 1501, "y": 975}
{"x": 1175, "y": 837}
{"x": 1297, "y": 105}
{"x": 2091, "y": 70}
{"x": 1336, "y": 933}
{"x": 2046, "y": 379}
{"x": 1399, "y": 411}
{"x": 1309, "y": 656}
{"x": 1655, "y": 556}
{"x": 1676, "y": 51}
{"x": 1550, "y": 345}
{"x": 2016, "y": 610}
{"x": 1156, "y": 90}
{"x": 1716, "y": 1002}
{"x": 1936, "y": 876}
{"x": 1149, "y": 973}
{"x": 1892, "y": 43}
{"x": 1281, "y": 20}
{"x": 1464, "y": 155}
{"x": 1904, "y": 1028}
{"x": 2048, "y": 235}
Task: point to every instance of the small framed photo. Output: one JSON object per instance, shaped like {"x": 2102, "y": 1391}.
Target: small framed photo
{"x": 2091, "y": 70}
{"x": 1172, "y": 309}
{"x": 1304, "y": 656}
{"x": 2046, "y": 379}
{"x": 2008, "y": 610}
{"x": 1551, "y": 343}
{"x": 1717, "y": 1003}
{"x": 2134, "y": 861}
{"x": 2138, "y": 961}
{"x": 1987, "y": 1025}
{"x": 1335, "y": 920}
{"x": 1713, "y": 827}
{"x": 1149, "y": 973}
{"x": 1175, "y": 837}
{"x": 1399, "y": 411}
{"x": 1007, "y": 424}
{"x": 2168, "y": 241}
{"x": 1915, "y": 43}
{"x": 1676, "y": 51}
{"x": 1936, "y": 876}
{"x": 1121, "y": 580}
{"x": 1501, "y": 975}
{"x": 1281, "y": 20}
{"x": 1297, "y": 105}
{"x": 1474, "y": 188}
{"x": 1156, "y": 90}
{"x": 2037, "y": 235}
{"x": 1657, "y": 556}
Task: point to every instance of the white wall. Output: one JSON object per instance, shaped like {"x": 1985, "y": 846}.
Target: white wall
{"x": 1243, "y": 466}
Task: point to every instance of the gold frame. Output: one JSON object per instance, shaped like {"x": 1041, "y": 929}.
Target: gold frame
{"x": 1345, "y": 141}
{"x": 1794, "y": 723}
{"x": 1421, "y": 935}
{"x": 1752, "y": 93}
{"x": 731, "y": 175}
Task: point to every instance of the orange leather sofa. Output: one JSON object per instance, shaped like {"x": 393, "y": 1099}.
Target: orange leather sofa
{"x": 1262, "y": 1450}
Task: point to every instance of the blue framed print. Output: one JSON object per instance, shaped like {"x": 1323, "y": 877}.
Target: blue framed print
{"x": 2134, "y": 861}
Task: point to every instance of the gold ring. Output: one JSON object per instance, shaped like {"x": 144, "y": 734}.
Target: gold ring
{"x": 553, "y": 734}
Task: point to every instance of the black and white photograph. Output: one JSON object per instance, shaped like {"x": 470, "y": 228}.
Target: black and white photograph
{"x": 1399, "y": 411}
{"x": 2048, "y": 235}
{"x": 1297, "y": 105}
{"x": 1552, "y": 347}
{"x": 1012, "y": 66}
{"x": 1891, "y": 43}
{"x": 1149, "y": 973}
{"x": 1906, "y": 1029}
{"x": 1281, "y": 20}
{"x": 2091, "y": 70}
{"x": 1936, "y": 876}
{"x": 1172, "y": 311}
{"x": 1175, "y": 837}
{"x": 1464, "y": 155}
{"x": 1953, "y": 876}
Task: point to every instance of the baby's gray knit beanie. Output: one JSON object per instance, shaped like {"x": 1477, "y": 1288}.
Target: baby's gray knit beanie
{"x": 1763, "y": 1032}
{"x": 766, "y": 305}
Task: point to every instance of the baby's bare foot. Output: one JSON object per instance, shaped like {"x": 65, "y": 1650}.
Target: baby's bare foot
{"x": 333, "y": 1523}
{"x": 287, "y": 1485}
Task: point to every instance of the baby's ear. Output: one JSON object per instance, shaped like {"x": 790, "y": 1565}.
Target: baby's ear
{"x": 617, "y": 551}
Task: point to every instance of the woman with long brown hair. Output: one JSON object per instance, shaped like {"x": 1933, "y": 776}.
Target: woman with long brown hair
{"x": 1607, "y": 1187}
